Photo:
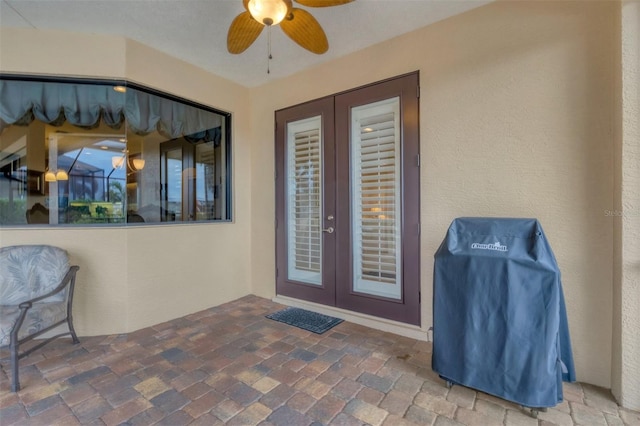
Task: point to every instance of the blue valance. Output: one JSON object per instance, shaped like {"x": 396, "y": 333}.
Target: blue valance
{"x": 86, "y": 105}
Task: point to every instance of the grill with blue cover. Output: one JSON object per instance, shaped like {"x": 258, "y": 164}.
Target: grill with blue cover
{"x": 500, "y": 323}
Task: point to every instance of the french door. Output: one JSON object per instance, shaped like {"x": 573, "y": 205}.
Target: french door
{"x": 191, "y": 175}
{"x": 347, "y": 200}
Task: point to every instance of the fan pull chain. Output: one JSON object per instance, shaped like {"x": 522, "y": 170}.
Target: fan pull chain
{"x": 269, "y": 58}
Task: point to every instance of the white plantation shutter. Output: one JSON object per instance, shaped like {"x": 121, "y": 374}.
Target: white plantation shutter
{"x": 304, "y": 201}
{"x": 376, "y": 214}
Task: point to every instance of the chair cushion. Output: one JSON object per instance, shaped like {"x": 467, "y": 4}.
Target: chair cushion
{"x": 39, "y": 317}
{"x": 30, "y": 271}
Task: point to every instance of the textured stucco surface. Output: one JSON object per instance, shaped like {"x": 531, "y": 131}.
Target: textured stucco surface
{"x": 515, "y": 120}
{"x": 133, "y": 278}
{"x": 627, "y": 363}
{"x": 518, "y": 118}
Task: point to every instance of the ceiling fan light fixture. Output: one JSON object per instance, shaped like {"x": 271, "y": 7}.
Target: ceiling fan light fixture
{"x": 268, "y": 12}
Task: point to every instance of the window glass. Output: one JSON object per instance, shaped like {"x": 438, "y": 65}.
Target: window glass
{"x": 76, "y": 153}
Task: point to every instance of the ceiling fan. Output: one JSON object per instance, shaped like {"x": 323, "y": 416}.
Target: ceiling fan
{"x": 297, "y": 23}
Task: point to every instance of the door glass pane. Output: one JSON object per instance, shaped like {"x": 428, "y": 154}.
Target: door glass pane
{"x": 376, "y": 214}
{"x": 304, "y": 201}
{"x": 172, "y": 203}
{"x": 205, "y": 162}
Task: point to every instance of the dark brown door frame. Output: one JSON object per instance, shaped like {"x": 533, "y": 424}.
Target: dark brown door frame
{"x": 337, "y": 270}
{"x": 324, "y": 294}
{"x": 408, "y": 308}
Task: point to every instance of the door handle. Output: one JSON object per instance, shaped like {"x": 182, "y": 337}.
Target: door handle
{"x": 329, "y": 230}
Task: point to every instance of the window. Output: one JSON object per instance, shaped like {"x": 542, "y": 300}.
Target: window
{"x": 304, "y": 167}
{"x": 376, "y": 182}
{"x": 99, "y": 153}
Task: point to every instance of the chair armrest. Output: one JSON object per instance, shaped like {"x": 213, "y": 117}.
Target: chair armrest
{"x": 68, "y": 278}
{"x": 26, "y": 305}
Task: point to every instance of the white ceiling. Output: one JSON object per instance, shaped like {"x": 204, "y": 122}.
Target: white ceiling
{"x": 196, "y": 30}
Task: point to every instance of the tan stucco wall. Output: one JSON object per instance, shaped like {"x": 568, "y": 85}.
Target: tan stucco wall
{"x": 39, "y": 52}
{"x": 519, "y": 109}
{"x": 132, "y": 278}
{"x": 516, "y": 117}
{"x": 626, "y": 335}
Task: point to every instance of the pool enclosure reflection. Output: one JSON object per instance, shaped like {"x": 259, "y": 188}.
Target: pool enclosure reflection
{"x": 77, "y": 153}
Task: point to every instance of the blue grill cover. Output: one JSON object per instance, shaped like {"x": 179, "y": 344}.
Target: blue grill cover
{"x": 500, "y": 323}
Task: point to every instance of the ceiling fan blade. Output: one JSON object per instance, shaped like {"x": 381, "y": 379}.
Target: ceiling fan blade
{"x": 244, "y": 30}
{"x": 322, "y": 3}
{"x": 303, "y": 28}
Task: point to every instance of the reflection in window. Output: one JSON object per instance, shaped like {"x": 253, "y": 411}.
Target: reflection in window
{"x": 73, "y": 154}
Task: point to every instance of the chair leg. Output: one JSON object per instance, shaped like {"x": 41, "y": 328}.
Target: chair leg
{"x": 72, "y": 330}
{"x": 15, "y": 382}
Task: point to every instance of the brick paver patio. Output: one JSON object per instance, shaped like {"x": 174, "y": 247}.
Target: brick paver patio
{"x": 231, "y": 365}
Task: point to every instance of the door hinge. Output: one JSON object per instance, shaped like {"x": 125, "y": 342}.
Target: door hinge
{"x": 418, "y": 92}
{"x": 418, "y": 229}
{"x": 277, "y": 272}
{"x": 276, "y": 223}
{"x": 418, "y": 160}
{"x": 419, "y": 297}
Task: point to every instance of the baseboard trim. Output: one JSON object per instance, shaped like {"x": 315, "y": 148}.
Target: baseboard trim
{"x": 382, "y": 324}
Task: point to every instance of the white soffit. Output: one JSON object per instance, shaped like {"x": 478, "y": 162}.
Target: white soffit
{"x": 196, "y": 30}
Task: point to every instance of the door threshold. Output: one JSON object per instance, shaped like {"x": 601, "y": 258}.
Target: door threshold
{"x": 382, "y": 324}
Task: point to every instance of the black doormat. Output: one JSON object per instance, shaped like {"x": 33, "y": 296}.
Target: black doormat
{"x": 306, "y": 320}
